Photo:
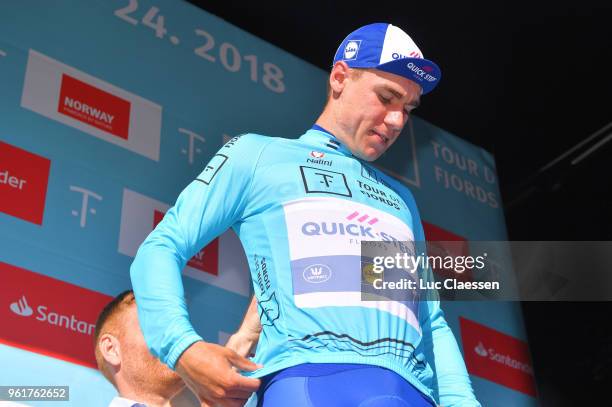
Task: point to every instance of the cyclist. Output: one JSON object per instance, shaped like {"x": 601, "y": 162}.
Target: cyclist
{"x": 301, "y": 209}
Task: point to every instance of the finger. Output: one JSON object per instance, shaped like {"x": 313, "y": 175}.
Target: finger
{"x": 246, "y": 383}
{"x": 231, "y": 402}
{"x": 243, "y": 363}
{"x": 236, "y": 393}
{"x": 204, "y": 402}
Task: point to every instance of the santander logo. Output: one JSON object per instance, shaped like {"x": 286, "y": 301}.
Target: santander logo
{"x": 21, "y": 307}
{"x": 23, "y": 183}
{"x": 48, "y": 316}
{"x": 507, "y": 362}
{"x": 504, "y": 359}
{"x": 44, "y": 314}
{"x": 481, "y": 350}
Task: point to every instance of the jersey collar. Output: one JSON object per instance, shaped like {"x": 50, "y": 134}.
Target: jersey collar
{"x": 320, "y": 137}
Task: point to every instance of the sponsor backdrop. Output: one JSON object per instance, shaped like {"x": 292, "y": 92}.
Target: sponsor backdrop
{"x": 108, "y": 109}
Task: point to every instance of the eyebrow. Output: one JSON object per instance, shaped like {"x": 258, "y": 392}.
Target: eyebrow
{"x": 415, "y": 103}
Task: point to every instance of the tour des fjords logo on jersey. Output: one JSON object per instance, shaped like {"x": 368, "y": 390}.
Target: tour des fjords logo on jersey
{"x": 48, "y": 316}
{"x": 94, "y": 106}
{"x": 498, "y": 357}
{"x": 23, "y": 183}
{"x": 72, "y": 97}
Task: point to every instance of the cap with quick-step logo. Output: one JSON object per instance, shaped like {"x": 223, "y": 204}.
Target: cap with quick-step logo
{"x": 387, "y": 48}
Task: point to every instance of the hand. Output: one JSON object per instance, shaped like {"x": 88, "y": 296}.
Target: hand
{"x": 245, "y": 340}
{"x": 243, "y": 343}
{"x": 207, "y": 369}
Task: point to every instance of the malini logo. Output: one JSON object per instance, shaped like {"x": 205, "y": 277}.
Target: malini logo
{"x": 44, "y": 314}
{"x": 317, "y": 154}
{"x": 21, "y": 307}
{"x": 317, "y": 273}
{"x": 23, "y": 183}
{"x": 316, "y": 157}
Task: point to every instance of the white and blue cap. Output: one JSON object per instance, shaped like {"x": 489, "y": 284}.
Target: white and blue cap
{"x": 387, "y": 48}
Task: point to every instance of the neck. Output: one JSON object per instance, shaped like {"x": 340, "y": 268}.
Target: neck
{"x": 146, "y": 396}
{"x": 151, "y": 400}
{"x": 330, "y": 121}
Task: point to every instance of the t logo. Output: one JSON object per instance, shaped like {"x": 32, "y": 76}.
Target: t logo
{"x": 317, "y": 180}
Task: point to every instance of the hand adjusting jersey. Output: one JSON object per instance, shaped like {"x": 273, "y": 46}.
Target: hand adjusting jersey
{"x": 301, "y": 208}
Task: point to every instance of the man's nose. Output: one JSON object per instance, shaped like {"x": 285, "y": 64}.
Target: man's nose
{"x": 395, "y": 120}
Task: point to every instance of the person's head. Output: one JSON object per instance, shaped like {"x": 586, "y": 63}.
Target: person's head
{"x": 377, "y": 79}
{"x": 123, "y": 357}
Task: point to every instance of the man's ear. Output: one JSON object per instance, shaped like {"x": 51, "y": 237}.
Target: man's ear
{"x": 340, "y": 73}
{"x": 110, "y": 349}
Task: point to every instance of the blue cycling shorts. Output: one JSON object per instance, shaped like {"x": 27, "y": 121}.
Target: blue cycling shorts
{"x": 338, "y": 385}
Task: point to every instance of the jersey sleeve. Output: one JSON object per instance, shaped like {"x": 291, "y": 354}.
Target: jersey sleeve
{"x": 451, "y": 381}
{"x": 207, "y": 207}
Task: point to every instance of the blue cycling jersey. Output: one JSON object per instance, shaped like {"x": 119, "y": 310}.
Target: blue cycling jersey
{"x": 301, "y": 209}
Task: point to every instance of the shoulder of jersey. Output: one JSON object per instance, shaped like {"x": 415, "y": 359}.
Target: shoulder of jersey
{"x": 399, "y": 187}
{"x": 251, "y": 140}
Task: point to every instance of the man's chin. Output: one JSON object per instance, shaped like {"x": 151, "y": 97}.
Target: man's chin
{"x": 371, "y": 154}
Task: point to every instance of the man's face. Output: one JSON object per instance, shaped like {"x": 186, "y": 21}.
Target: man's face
{"x": 138, "y": 364}
{"x": 374, "y": 107}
